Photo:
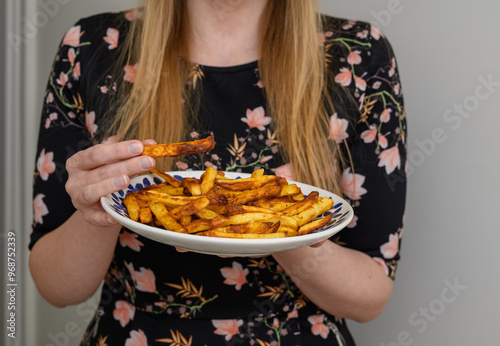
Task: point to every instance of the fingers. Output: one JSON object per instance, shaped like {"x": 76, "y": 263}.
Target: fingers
{"x": 102, "y": 154}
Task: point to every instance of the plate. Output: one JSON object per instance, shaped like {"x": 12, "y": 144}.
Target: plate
{"x": 113, "y": 205}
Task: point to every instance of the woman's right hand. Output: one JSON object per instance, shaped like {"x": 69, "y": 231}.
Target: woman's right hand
{"x": 103, "y": 169}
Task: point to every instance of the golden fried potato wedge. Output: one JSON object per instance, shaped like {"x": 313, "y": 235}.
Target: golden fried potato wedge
{"x": 322, "y": 205}
{"x": 220, "y": 233}
{"x": 167, "y": 221}
{"x": 252, "y": 195}
{"x": 167, "y": 177}
{"x": 314, "y": 225}
{"x": 132, "y": 206}
{"x": 208, "y": 180}
{"x": 179, "y": 149}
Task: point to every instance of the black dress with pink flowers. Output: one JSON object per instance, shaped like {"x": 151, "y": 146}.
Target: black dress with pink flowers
{"x": 154, "y": 295}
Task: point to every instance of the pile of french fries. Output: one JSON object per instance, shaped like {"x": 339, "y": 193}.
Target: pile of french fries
{"x": 261, "y": 206}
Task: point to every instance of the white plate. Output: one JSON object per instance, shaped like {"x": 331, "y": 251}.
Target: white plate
{"x": 113, "y": 204}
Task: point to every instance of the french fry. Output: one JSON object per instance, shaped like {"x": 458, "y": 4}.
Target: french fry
{"x": 322, "y": 205}
{"x": 190, "y": 208}
{"x": 179, "y": 149}
{"x": 221, "y": 234}
{"x": 166, "y": 220}
{"x": 252, "y": 195}
{"x": 314, "y": 225}
{"x": 208, "y": 180}
{"x": 132, "y": 206}
{"x": 167, "y": 177}
{"x": 240, "y": 219}
{"x": 193, "y": 186}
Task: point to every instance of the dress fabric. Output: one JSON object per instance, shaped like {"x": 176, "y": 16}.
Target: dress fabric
{"x": 154, "y": 295}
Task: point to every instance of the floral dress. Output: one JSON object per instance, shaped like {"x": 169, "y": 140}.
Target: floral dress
{"x": 155, "y": 295}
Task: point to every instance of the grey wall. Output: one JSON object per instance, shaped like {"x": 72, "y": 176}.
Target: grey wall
{"x": 446, "y": 290}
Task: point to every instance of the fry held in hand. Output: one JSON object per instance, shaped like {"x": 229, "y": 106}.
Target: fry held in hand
{"x": 179, "y": 149}
{"x": 259, "y": 207}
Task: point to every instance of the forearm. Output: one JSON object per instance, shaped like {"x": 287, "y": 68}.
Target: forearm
{"x": 69, "y": 263}
{"x": 341, "y": 281}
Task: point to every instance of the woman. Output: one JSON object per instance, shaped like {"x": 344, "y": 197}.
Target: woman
{"x": 325, "y": 109}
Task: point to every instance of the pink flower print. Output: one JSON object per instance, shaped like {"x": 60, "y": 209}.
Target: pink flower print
{"x": 133, "y": 15}
{"x": 382, "y": 141}
{"x": 354, "y": 57}
{"x": 363, "y": 34}
{"x": 360, "y": 83}
{"x": 264, "y": 159}
{"x": 369, "y": 135}
{"x": 130, "y": 240}
{"x": 348, "y": 25}
{"x": 72, "y": 37}
{"x": 293, "y": 314}
{"x": 260, "y": 84}
{"x": 390, "y": 159}
{"x": 386, "y": 115}
{"x": 376, "y": 85}
{"x": 235, "y": 276}
{"x": 90, "y": 122}
{"x": 110, "y": 140}
{"x": 137, "y": 338}
{"x": 397, "y": 88}
{"x": 215, "y": 157}
{"x": 72, "y": 115}
{"x": 194, "y": 134}
{"x": 390, "y": 249}
{"x": 47, "y": 123}
{"x": 63, "y": 79}
{"x": 104, "y": 89}
{"x": 256, "y": 118}
{"x": 50, "y": 98}
{"x": 145, "y": 280}
{"x": 375, "y": 32}
{"x": 71, "y": 56}
{"x": 338, "y": 128}
{"x": 77, "y": 72}
{"x": 318, "y": 325}
{"x": 393, "y": 68}
{"x": 181, "y": 165}
{"x": 39, "y": 208}
{"x": 53, "y": 116}
{"x": 130, "y": 267}
{"x": 229, "y": 328}
{"x": 344, "y": 78}
{"x": 276, "y": 323}
{"x": 352, "y": 184}
{"x": 382, "y": 264}
{"x": 123, "y": 312}
{"x": 285, "y": 171}
{"x": 353, "y": 223}
{"x": 112, "y": 38}
{"x": 45, "y": 164}
{"x": 130, "y": 73}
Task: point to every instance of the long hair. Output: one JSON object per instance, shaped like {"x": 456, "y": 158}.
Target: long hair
{"x": 292, "y": 67}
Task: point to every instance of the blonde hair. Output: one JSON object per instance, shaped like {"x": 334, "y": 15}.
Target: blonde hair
{"x": 292, "y": 67}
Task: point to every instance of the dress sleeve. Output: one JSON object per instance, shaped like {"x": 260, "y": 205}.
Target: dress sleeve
{"x": 65, "y": 128}
{"x": 374, "y": 180}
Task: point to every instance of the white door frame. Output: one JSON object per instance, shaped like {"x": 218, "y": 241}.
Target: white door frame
{"x": 17, "y": 144}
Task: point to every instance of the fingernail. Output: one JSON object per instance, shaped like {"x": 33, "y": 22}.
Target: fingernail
{"x": 120, "y": 182}
{"x": 147, "y": 163}
{"x": 111, "y": 221}
{"x": 135, "y": 148}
